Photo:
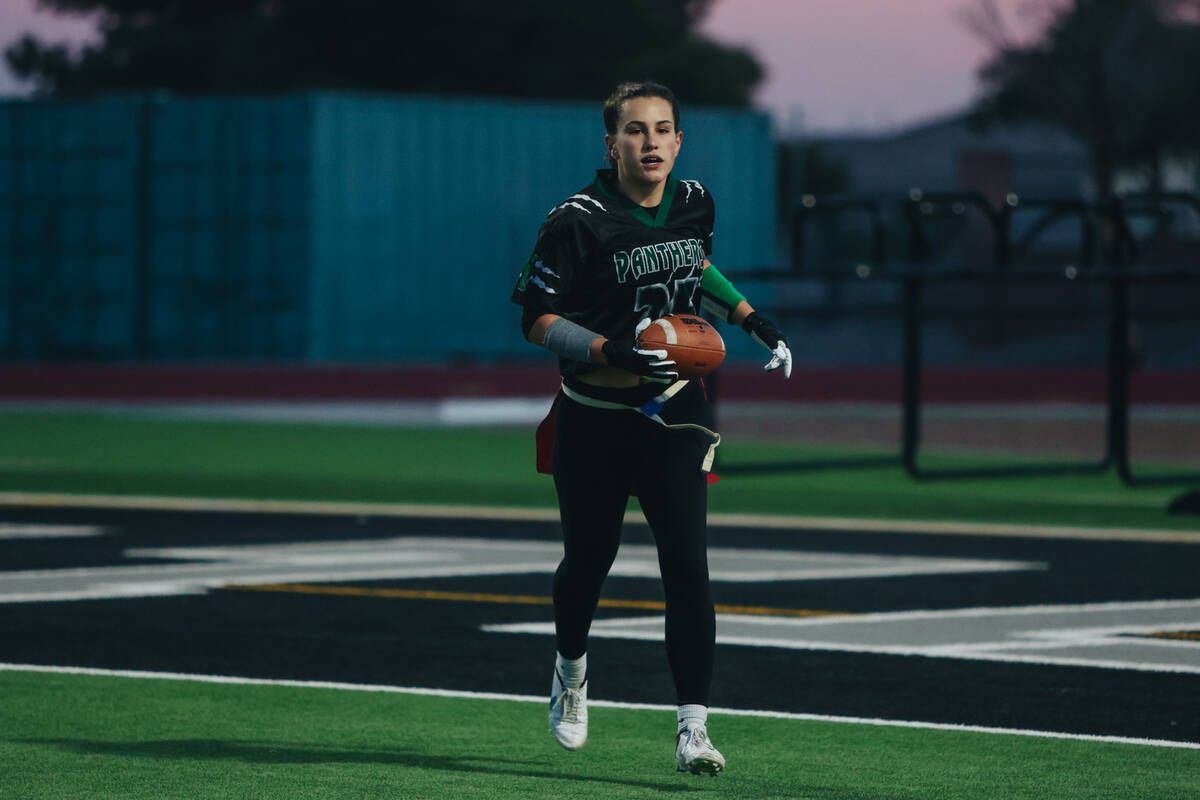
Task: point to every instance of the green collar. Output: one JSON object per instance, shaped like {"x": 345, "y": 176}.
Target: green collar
{"x": 639, "y": 213}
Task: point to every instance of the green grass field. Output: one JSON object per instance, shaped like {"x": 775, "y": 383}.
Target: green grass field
{"x": 92, "y": 737}
{"x": 119, "y": 454}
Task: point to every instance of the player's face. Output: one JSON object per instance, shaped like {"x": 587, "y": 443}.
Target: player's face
{"x": 646, "y": 142}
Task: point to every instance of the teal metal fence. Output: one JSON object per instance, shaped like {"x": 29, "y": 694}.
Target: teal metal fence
{"x": 68, "y": 228}
{"x": 310, "y": 227}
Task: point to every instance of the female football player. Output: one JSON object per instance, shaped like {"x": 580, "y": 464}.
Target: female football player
{"x": 628, "y": 248}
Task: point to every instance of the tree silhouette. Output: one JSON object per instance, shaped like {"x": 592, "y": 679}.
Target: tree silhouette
{"x": 522, "y": 48}
{"x": 1121, "y": 75}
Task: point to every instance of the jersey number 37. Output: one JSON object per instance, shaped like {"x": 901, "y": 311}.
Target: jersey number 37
{"x": 660, "y": 299}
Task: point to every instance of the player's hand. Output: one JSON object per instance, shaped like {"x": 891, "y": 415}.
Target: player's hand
{"x": 763, "y": 331}
{"x": 652, "y": 364}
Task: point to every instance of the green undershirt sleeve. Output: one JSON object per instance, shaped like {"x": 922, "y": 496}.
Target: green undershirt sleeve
{"x": 717, "y": 295}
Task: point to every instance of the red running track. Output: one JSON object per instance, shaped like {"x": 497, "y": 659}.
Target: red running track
{"x": 176, "y": 382}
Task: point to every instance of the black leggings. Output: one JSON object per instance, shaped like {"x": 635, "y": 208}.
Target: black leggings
{"x": 598, "y": 455}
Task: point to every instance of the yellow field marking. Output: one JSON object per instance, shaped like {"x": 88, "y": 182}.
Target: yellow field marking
{"x": 1188, "y": 635}
{"x": 511, "y": 599}
{"x": 768, "y": 611}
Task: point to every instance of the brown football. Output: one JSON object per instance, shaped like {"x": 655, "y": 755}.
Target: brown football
{"x": 693, "y": 344}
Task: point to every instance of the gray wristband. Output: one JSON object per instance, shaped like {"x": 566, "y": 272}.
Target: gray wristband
{"x": 569, "y": 340}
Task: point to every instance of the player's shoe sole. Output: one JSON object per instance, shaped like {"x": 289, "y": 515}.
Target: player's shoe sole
{"x": 702, "y": 766}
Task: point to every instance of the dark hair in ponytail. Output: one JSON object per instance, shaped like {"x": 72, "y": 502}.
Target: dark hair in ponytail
{"x": 626, "y": 92}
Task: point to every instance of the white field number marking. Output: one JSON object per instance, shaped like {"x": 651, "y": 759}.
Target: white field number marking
{"x": 1110, "y": 635}
{"x": 34, "y": 530}
{"x": 204, "y": 568}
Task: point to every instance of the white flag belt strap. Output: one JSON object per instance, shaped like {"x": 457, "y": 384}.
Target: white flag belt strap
{"x": 651, "y": 409}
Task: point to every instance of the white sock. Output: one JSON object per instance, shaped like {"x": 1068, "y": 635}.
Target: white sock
{"x": 572, "y": 671}
{"x": 692, "y": 714}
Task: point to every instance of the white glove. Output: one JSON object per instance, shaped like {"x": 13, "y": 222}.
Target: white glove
{"x": 781, "y": 356}
{"x": 763, "y": 331}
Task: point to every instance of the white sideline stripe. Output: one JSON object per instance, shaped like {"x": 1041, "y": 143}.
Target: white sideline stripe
{"x": 524, "y": 698}
{"x": 769, "y": 521}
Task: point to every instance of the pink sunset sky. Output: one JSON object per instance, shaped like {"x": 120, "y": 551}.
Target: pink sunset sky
{"x": 831, "y": 64}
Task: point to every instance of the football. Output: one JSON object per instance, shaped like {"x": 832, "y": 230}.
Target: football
{"x": 693, "y": 344}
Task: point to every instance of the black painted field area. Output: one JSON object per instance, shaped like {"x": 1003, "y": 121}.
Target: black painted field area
{"x": 317, "y": 598}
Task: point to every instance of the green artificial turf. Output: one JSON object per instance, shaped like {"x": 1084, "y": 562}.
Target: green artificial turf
{"x": 93, "y": 737}
{"x": 101, "y": 453}
{"x": 71, "y": 736}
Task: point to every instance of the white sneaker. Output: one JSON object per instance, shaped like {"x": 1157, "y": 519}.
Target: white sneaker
{"x": 568, "y": 713}
{"x": 694, "y": 753}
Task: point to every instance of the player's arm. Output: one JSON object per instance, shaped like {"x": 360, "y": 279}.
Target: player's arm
{"x": 718, "y": 296}
{"x": 570, "y": 340}
{"x": 540, "y": 289}
{"x": 537, "y": 335}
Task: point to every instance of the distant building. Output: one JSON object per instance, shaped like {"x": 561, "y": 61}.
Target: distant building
{"x": 1028, "y": 159}
{"x": 948, "y": 155}
{"x": 849, "y": 216}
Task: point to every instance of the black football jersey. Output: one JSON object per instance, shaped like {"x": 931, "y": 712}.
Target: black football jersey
{"x": 603, "y": 262}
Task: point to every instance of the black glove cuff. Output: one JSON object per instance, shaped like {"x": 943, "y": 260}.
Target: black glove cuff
{"x": 764, "y": 330}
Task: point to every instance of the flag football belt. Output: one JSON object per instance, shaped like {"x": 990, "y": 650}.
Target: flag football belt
{"x": 652, "y": 409}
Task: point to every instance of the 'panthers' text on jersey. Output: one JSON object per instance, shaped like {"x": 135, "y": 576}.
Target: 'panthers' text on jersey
{"x": 605, "y": 263}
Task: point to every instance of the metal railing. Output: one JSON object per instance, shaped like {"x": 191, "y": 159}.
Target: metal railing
{"x": 961, "y": 238}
